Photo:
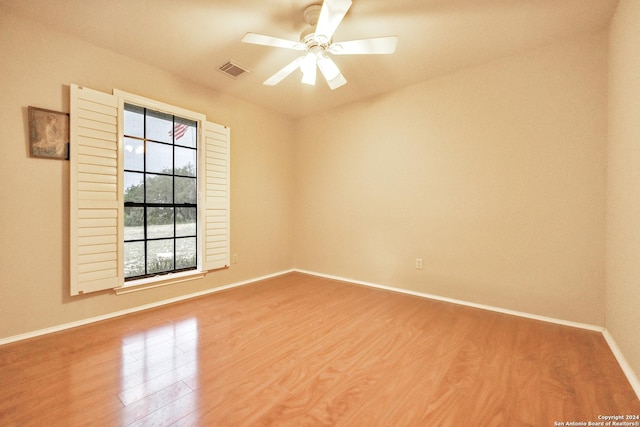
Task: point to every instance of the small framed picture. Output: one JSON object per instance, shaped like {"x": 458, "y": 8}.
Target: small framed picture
{"x": 48, "y": 133}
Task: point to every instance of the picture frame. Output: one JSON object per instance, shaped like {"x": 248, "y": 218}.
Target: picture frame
{"x": 48, "y": 133}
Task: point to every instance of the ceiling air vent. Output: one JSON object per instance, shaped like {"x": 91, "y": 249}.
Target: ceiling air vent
{"x": 233, "y": 70}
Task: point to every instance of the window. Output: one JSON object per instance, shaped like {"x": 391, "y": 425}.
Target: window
{"x": 160, "y": 193}
{"x": 149, "y": 192}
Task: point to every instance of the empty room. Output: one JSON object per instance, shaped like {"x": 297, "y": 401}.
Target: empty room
{"x": 338, "y": 213}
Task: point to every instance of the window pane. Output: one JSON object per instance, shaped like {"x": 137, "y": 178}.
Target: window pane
{"x": 134, "y": 154}
{"x": 133, "y": 187}
{"x": 160, "y": 162}
{"x": 185, "y": 132}
{"x": 159, "y": 126}
{"x": 159, "y": 222}
{"x": 159, "y": 158}
{"x": 133, "y": 223}
{"x": 133, "y": 121}
{"x": 160, "y": 256}
{"x": 185, "y": 161}
{"x": 159, "y": 189}
{"x": 185, "y": 190}
{"x": 133, "y": 259}
{"x": 186, "y": 221}
{"x": 186, "y": 252}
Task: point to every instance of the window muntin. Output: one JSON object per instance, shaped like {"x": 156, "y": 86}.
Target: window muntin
{"x": 160, "y": 193}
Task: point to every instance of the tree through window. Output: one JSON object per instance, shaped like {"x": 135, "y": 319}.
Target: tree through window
{"x": 160, "y": 193}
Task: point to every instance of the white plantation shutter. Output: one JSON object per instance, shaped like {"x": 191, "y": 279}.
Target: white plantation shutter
{"x": 95, "y": 208}
{"x": 214, "y": 197}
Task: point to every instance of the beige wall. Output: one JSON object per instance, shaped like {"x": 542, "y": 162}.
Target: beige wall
{"x": 623, "y": 190}
{"x": 494, "y": 175}
{"x": 36, "y": 68}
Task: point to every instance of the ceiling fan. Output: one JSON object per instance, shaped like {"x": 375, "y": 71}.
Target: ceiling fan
{"x": 317, "y": 41}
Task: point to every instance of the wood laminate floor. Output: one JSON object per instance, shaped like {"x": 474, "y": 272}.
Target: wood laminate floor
{"x": 299, "y": 350}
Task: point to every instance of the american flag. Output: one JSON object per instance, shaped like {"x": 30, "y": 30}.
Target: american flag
{"x": 179, "y": 130}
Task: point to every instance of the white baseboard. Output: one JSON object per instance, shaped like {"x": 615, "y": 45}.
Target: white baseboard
{"x": 87, "y": 321}
{"x": 622, "y": 361}
{"x": 624, "y": 365}
{"x": 460, "y": 302}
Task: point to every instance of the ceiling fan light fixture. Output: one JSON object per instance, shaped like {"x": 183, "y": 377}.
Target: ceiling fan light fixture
{"x": 328, "y": 68}
{"x": 308, "y": 68}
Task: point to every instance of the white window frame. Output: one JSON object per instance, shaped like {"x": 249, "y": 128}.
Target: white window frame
{"x": 97, "y": 199}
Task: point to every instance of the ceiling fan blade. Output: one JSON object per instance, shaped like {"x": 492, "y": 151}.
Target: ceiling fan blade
{"x": 331, "y": 14}
{"x": 378, "y": 45}
{"x": 260, "y": 39}
{"x": 284, "y": 72}
{"x": 331, "y": 73}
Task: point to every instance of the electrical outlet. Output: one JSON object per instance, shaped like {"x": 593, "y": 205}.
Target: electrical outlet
{"x": 418, "y": 263}
{"x": 234, "y": 258}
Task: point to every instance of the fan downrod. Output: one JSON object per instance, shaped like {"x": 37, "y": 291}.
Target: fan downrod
{"x": 311, "y": 14}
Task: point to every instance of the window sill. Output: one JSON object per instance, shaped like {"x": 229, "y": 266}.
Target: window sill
{"x": 156, "y": 282}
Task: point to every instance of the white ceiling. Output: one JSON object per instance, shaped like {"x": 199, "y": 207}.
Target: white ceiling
{"x": 192, "y": 38}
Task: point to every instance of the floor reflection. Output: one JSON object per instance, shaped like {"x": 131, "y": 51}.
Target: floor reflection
{"x": 159, "y": 373}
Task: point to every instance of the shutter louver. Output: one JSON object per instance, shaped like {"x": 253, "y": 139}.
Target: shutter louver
{"x": 215, "y": 197}
{"x": 94, "y": 238}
